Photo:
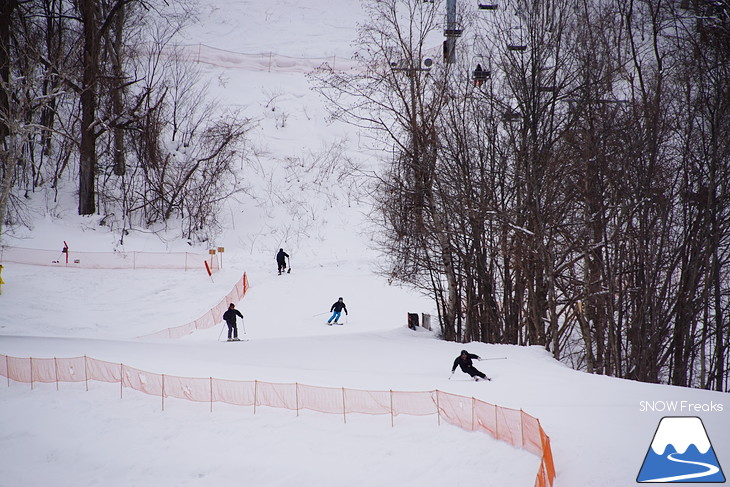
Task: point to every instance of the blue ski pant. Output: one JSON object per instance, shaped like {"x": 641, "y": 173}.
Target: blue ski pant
{"x": 335, "y": 316}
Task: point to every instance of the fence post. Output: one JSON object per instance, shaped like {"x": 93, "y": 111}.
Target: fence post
{"x": 255, "y": 394}
{"x": 496, "y": 421}
{"x": 55, "y": 365}
{"x": 211, "y": 394}
{"x": 344, "y": 409}
{"x": 7, "y": 368}
{"x": 121, "y": 381}
{"x": 31, "y": 373}
{"x": 522, "y": 427}
{"x": 296, "y": 395}
{"x": 86, "y": 375}
{"x": 472, "y": 413}
{"x": 163, "y": 392}
{"x": 392, "y": 421}
{"x": 438, "y": 408}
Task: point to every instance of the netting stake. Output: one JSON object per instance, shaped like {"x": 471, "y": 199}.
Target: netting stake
{"x": 55, "y": 364}
{"x": 163, "y": 392}
{"x": 296, "y": 396}
{"x": 255, "y": 394}
{"x": 211, "y": 394}
{"x": 31, "y": 373}
{"x": 392, "y": 421}
{"x": 7, "y": 368}
{"x": 344, "y": 409}
{"x": 86, "y": 375}
{"x": 472, "y": 413}
{"x": 438, "y": 408}
{"x": 496, "y": 421}
{"x": 121, "y": 380}
{"x": 522, "y": 428}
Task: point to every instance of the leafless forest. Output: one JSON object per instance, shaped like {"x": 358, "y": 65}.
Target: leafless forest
{"x": 94, "y": 90}
{"x": 558, "y": 175}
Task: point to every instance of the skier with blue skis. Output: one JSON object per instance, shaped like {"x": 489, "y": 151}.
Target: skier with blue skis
{"x": 337, "y": 309}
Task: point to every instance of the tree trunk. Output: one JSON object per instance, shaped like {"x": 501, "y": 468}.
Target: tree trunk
{"x": 87, "y": 149}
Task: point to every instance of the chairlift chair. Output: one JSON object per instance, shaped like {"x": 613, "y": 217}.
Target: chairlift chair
{"x": 488, "y": 6}
{"x": 512, "y": 115}
{"x": 480, "y": 75}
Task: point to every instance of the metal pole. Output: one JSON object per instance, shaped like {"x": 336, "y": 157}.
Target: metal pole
{"x": 451, "y": 28}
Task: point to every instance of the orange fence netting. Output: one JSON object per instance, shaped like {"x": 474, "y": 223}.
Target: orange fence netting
{"x": 108, "y": 260}
{"x": 513, "y": 426}
{"x": 210, "y": 318}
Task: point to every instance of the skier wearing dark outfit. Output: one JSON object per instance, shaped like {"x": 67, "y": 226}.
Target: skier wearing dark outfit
{"x": 337, "y": 308}
{"x": 464, "y": 361}
{"x": 281, "y": 257}
{"x": 230, "y": 318}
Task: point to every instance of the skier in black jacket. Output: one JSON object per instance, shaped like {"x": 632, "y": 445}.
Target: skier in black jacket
{"x": 337, "y": 308}
{"x": 230, "y": 318}
{"x": 464, "y": 361}
{"x": 281, "y": 257}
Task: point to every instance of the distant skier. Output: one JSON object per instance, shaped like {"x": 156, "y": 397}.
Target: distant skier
{"x": 338, "y": 307}
{"x": 230, "y": 318}
{"x": 464, "y": 361}
{"x": 281, "y": 257}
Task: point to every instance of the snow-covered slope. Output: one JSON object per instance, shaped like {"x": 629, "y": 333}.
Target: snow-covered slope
{"x": 600, "y": 427}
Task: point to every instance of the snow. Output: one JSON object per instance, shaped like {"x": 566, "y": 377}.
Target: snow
{"x": 600, "y": 428}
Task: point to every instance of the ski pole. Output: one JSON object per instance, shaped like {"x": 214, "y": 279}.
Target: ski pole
{"x": 243, "y": 325}
{"x": 320, "y": 314}
{"x": 221, "y": 333}
{"x": 493, "y": 358}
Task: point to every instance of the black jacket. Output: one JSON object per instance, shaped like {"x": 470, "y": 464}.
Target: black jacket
{"x": 339, "y": 306}
{"x": 281, "y": 257}
{"x": 464, "y": 363}
{"x": 230, "y": 316}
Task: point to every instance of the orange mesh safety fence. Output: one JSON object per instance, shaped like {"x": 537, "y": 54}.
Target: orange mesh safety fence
{"x": 512, "y": 426}
{"x": 108, "y": 260}
{"x": 264, "y": 61}
{"x": 210, "y": 318}
{"x": 135, "y": 260}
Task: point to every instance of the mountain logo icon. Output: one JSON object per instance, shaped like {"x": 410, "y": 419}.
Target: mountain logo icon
{"x": 681, "y": 452}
